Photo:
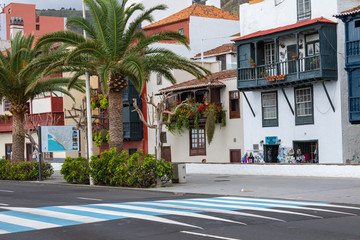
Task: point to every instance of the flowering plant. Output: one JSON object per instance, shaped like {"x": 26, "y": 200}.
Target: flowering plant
{"x": 193, "y": 111}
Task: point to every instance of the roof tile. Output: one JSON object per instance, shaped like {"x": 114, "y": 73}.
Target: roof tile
{"x": 349, "y": 12}
{"x": 197, "y": 10}
{"x": 213, "y": 80}
{"x": 284, "y": 28}
{"x": 225, "y": 48}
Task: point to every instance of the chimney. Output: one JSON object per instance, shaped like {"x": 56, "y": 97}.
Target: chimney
{"x": 16, "y": 25}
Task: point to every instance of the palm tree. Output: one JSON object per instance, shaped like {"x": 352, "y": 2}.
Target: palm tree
{"x": 22, "y": 78}
{"x": 117, "y": 51}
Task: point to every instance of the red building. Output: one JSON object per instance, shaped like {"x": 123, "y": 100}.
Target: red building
{"x": 32, "y": 24}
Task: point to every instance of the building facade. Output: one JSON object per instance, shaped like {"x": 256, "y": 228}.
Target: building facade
{"x": 290, "y": 72}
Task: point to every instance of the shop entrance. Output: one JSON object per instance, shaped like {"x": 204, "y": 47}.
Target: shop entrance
{"x": 309, "y": 149}
{"x": 271, "y": 153}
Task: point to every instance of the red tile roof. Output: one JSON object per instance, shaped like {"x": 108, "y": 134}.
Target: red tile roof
{"x": 197, "y": 10}
{"x": 211, "y": 81}
{"x": 349, "y": 12}
{"x": 284, "y": 28}
{"x": 226, "y": 48}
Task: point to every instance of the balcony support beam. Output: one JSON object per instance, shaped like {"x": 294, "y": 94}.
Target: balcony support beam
{"x": 327, "y": 94}
{"x": 247, "y": 100}
{"x": 288, "y": 102}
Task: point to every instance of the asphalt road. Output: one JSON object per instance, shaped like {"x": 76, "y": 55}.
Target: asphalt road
{"x": 51, "y": 212}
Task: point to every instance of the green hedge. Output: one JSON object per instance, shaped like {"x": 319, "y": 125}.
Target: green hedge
{"x": 137, "y": 170}
{"x": 75, "y": 170}
{"x": 25, "y": 171}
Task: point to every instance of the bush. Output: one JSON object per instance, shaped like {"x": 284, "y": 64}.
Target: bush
{"x": 137, "y": 170}
{"x": 76, "y": 170}
{"x": 24, "y": 171}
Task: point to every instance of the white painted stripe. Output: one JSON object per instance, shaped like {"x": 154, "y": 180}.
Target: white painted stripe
{"x": 26, "y": 222}
{"x": 171, "y": 212}
{"x": 242, "y": 207}
{"x": 293, "y": 202}
{"x": 91, "y": 199}
{"x": 4, "y": 204}
{"x": 273, "y": 205}
{"x": 3, "y": 232}
{"x": 126, "y": 214}
{"x": 7, "y": 191}
{"x": 208, "y": 235}
{"x": 229, "y": 212}
{"x": 55, "y": 214}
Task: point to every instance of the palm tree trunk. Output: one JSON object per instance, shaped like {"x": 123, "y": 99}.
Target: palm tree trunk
{"x": 18, "y": 137}
{"x": 116, "y": 129}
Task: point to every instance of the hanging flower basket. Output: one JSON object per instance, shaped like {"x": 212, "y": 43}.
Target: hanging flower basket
{"x": 280, "y": 77}
{"x": 271, "y": 79}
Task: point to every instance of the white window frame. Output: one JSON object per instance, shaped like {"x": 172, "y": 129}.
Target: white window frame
{"x": 268, "y": 105}
{"x": 304, "y": 102}
{"x": 305, "y": 6}
{"x": 269, "y": 53}
{"x": 6, "y": 105}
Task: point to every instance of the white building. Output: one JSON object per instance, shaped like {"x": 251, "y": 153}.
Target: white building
{"x": 297, "y": 90}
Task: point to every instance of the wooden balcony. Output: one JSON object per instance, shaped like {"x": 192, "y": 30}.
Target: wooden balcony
{"x": 308, "y": 69}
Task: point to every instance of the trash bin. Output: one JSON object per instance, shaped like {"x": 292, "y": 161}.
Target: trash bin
{"x": 179, "y": 173}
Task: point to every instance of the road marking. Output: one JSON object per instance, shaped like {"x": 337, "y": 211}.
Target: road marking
{"x": 229, "y": 212}
{"x": 91, "y": 199}
{"x": 207, "y": 235}
{"x": 3, "y": 231}
{"x": 229, "y": 206}
{"x": 7, "y": 191}
{"x": 171, "y": 212}
{"x": 49, "y": 213}
{"x": 4, "y": 204}
{"x": 25, "y": 223}
{"x": 129, "y": 215}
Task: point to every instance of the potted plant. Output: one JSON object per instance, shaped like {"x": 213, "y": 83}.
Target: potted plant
{"x": 252, "y": 63}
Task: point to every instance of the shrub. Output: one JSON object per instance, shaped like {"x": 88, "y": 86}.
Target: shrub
{"x": 24, "y": 171}
{"x": 137, "y": 170}
{"x": 75, "y": 170}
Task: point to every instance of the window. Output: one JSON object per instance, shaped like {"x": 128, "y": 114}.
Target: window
{"x": 269, "y": 53}
{"x": 303, "y": 10}
{"x": 6, "y": 105}
{"x": 269, "y": 109}
{"x": 8, "y": 151}
{"x": 181, "y": 31}
{"x": 197, "y": 141}
{"x": 132, "y": 151}
{"x": 158, "y": 79}
{"x": 234, "y": 104}
{"x": 48, "y": 156}
{"x": 163, "y": 137}
{"x": 357, "y": 23}
{"x": 37, "y": 27}
{"x": 304, "y": 106}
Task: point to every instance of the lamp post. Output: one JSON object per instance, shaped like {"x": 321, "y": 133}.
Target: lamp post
{"x": 88, "y": 107}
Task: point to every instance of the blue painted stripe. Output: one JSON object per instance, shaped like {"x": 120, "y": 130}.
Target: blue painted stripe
{"x": 120, "y": 210}
{"x": 83, "y": 213}
{"x": 13, "y": 227}
{"x": 30, "y": 216}
{"x": 160, "y": 207}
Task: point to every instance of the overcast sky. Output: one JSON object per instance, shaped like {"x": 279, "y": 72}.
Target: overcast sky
{"x": 47, "y": 4}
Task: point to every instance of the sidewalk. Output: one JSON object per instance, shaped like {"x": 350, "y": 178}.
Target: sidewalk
{"x": 334, "y": 190}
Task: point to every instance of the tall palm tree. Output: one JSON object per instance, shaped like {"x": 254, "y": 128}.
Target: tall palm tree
{"x": 118, "y": 51}
{"x": 22, "y": 78}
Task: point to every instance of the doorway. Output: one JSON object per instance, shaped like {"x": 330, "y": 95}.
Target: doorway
{"x": 271, "y": 153}
{"x": 166, "y": 153}
{"x": 235, "y": 155}
{"x": 8, "y": 151}
{"x": 291, "y": 51}
{"x": 309, "y": 149}
{"x": 29, "y": 152}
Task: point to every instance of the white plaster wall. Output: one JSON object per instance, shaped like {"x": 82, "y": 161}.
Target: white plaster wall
{"x": 215, "y": 3}
{"x": 173, "y": 6}
{"x": 3, "y": 26}
{"x": 212, "y": 32}
{"x": 347, "y": 171}
{"x": 225, "y": 138}
{"x": 283, "y": 14}
{"x": 1, "y": 109}
{"x": 41, "y": 105}
{"x": 326, "y": 128}
{"x": 4, "y": 44}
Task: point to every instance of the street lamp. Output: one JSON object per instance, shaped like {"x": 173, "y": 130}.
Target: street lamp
{"x": 88, "y": 108}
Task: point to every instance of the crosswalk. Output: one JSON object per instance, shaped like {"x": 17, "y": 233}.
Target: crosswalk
{"x": 20, "y": 219}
